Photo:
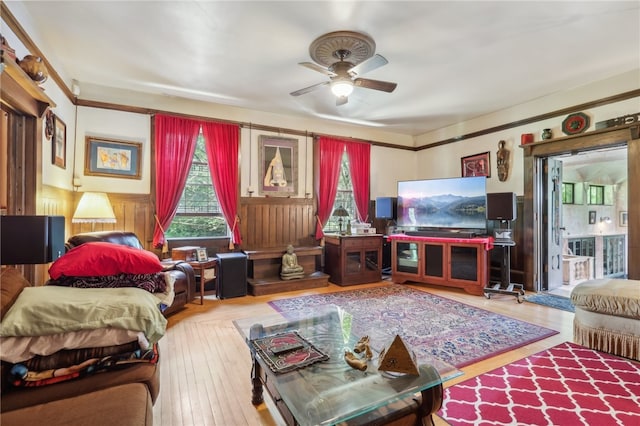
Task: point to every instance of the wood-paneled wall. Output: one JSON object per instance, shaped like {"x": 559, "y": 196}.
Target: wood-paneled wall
{"x": 273, "y": 222}
{"x": 134, "y": 213}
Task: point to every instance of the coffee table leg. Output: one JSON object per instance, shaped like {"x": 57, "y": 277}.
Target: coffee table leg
{"x": 256, "y": 392}
{"x": 431, "y": 402}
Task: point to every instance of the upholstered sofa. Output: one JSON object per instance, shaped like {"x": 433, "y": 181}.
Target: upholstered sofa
{"x": 185, "y": 282}
{"x": 45, "y": 388}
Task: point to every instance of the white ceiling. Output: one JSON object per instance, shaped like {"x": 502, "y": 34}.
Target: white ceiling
{"x": 452, "y": 60}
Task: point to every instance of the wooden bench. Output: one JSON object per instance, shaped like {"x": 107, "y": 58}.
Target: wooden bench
{"x": 263, "y": 270}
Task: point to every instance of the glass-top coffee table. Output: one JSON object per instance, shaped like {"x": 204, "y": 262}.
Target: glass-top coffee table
{"x": 330, "y": 391}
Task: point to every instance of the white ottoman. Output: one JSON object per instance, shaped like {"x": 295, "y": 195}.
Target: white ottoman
{"x": 607, "y": 316}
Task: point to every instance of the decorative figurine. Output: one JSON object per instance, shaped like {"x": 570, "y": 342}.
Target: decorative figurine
{"x": 363, "y": 346}
{"x": 290, "y": 269}
{"x": 398, "y": 358}
{"x": 354, "y": 361}
{"x": 503, "y": 161}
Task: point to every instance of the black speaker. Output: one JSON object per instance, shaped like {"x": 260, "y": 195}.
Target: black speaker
{"x": 232, "y": 275}
{"x": 501, "y": 206}
{"x": 30, "y": 240}
{"x": 386, "y": 207}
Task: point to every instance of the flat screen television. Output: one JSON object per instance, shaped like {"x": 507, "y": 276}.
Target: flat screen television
{"x": 448, "y": 203}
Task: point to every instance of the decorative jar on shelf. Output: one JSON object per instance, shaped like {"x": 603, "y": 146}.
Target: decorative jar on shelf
{"x": 34, "y": 68}
{"x": 546, "y": 134}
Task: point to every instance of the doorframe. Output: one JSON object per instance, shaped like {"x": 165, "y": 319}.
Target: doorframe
{"x": 628, "y": 136}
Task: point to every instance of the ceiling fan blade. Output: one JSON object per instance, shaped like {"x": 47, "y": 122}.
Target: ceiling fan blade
{"x": 341, "y": 100}
{"x": 376, "y": 61}
{"x": 385, "y": 86}
{"x": 318, "y": 68}
{"x": 309, "y": 89}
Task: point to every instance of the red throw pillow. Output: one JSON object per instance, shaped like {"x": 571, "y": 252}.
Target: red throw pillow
{"x": 101, "y": 258}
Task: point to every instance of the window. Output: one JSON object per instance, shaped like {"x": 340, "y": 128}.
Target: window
{"x": 344, "y": 198}
{"x": 596, "y": 194}
{"x": 568, "y": 189}
{"x": 198, "y": 212}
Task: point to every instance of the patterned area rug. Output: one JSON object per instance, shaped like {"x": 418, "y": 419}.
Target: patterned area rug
{"x": 565, "y": 385}
{"x": 552, "y": 301}
{"x": 433, "y": 326}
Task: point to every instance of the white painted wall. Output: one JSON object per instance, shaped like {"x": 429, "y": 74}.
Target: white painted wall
{"x": 116, "y": 125}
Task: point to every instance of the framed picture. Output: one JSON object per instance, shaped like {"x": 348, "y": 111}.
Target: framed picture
{"x": 476, "y": 165}
{"x": 59, "y": 143}
{"x": 278, "y": 166}
{"x": 624, "y": 218}
{"x": 112, "y": 158}
{"x": 202, "y": 254}
{"x": 592, "y": 217}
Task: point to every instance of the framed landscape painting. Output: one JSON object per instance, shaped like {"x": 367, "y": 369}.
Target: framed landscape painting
{"x": 112, "y": 158}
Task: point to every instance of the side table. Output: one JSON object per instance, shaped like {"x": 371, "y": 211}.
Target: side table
{"x": 210, "y": 263}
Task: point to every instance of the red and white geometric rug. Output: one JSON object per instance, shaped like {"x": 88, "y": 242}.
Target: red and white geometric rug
{"x": 564, "y": 385}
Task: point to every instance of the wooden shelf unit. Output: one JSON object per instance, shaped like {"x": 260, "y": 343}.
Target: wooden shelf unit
{"x": 353, "y": 259}
{"x": 17, "y": 86}
{"x": 264, "y": 270}
{"x": 452, "y": 262}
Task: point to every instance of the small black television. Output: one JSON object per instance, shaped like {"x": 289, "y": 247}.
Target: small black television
{"x": 386, "y": 208}
{"x": 447, "y": 203}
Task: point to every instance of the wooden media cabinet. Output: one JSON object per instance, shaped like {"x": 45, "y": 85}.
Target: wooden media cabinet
{"x": 263, "y": 270}
{"x": 452, "y": 262}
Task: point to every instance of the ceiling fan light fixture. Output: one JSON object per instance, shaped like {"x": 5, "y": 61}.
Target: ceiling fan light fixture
{"x": 342, "y": 88}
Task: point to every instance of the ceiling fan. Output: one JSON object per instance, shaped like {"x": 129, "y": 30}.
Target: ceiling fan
{"x": 344, "y": 56}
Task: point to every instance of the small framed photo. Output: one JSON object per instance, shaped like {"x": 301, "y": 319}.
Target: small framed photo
{"x": 592, "y": 217}
{"x": 59, "y": 143}
{"x": 476, "y": 165}
{"x": 112, "y": 158}
{"x": 624, "y": 218}
{"x": 202, "y": 254}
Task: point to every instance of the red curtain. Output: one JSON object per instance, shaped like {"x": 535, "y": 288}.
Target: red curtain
{"x": 359, "y": 167}
{"x": 175, "y": 143}
{"x": 221, "y": 141}
{"x": 329, "y": 158}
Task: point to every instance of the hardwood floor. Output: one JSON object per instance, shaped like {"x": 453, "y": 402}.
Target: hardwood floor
{"x": 205, "y": 364}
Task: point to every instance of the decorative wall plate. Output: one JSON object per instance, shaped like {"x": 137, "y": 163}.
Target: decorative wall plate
{"x": 575, "y": 123}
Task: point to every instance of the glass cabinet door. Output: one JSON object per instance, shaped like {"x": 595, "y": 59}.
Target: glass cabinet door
{"x": 371, "y": 261}
{"x": 407, "y": 257}
{"x": 464, "y": 261}
{"x": 434, "y": 260}
{"x": 353, "y": 263}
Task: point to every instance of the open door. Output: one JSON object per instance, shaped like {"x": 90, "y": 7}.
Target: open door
{"x": 551, "y": 239}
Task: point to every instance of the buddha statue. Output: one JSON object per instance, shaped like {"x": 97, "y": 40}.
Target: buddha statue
{"x": 290, "y": 268}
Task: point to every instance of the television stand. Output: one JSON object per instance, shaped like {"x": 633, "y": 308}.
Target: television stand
{"x": 441, "y": 233}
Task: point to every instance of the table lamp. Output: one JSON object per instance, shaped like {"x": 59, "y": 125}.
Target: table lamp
{"x": 340, "y": 212}
{"x": 94, "y": 207}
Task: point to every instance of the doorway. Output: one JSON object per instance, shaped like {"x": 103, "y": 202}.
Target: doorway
{"x": 593, "y": 218}
{"x": 536, "y": 204}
